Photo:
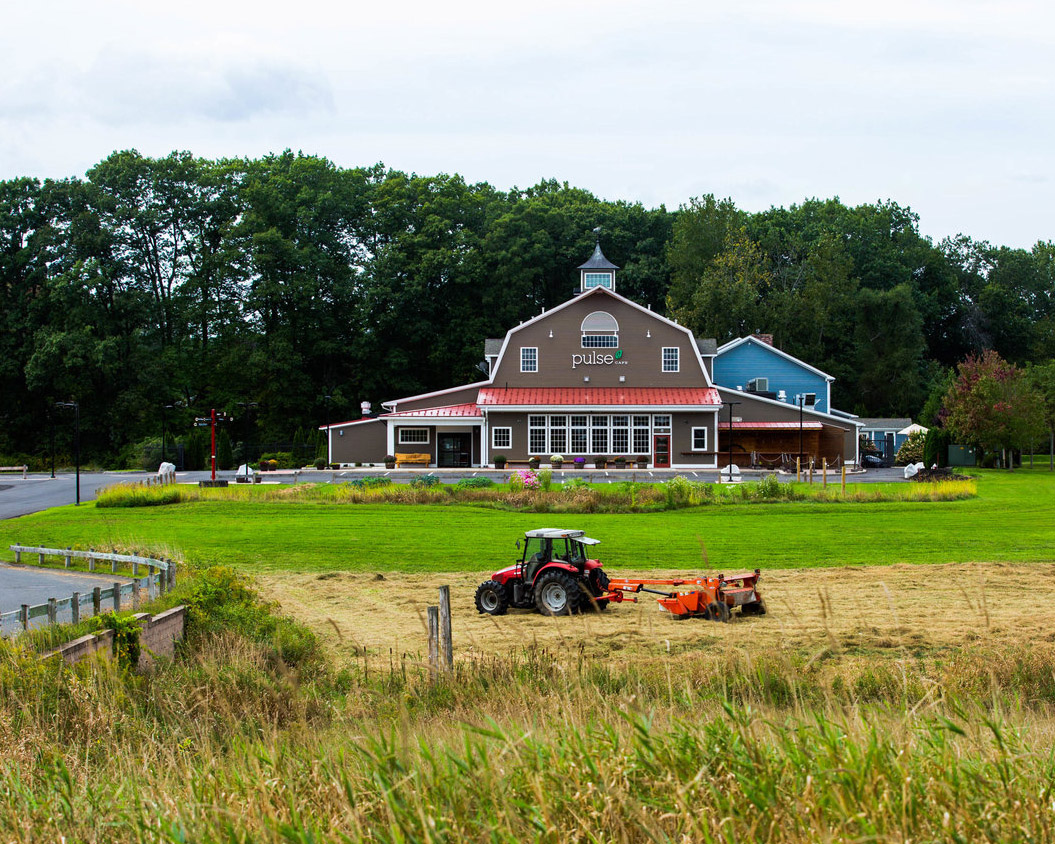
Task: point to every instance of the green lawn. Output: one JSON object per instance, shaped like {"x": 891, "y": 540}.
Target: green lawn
{"x": 1012, "y": 519}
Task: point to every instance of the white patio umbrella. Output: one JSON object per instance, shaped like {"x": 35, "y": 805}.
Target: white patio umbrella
{"x": 912, "y": 429}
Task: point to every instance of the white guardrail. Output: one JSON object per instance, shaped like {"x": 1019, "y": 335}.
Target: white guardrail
{"x": 160, "y": 577}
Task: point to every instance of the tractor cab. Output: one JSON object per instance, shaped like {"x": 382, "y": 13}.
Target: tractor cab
{"x": 547, "y": 545}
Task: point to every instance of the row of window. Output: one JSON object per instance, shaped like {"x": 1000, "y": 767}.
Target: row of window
{"x": 579, "y": 434}
{"x": 593, "y": 434}
{"x": 670, "y": 360}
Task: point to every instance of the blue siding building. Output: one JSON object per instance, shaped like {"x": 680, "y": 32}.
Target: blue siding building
{"x": 754, "y": 365}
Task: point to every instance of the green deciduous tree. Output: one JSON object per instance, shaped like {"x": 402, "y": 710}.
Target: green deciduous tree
{"x": 992, "y": 405}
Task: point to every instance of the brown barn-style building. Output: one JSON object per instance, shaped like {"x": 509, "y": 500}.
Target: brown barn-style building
{"x": 598, "y": 376}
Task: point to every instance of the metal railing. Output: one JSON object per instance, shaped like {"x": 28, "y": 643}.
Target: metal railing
{"x": 160, "y": 577}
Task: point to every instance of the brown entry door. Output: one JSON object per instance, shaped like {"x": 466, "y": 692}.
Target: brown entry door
{"x": 661, "y": 451}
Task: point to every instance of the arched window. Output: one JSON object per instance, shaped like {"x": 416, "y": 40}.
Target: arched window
{"x": 600, "y": 331}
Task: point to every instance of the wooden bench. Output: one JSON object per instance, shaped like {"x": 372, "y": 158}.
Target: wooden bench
{"x": 22, "y": 469}
{"x": 403, "y": 459}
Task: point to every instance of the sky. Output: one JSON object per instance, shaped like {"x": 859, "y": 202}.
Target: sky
{"x": 946, "y": 106}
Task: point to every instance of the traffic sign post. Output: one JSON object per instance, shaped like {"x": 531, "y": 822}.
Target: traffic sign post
{"x": 210, "y": 421}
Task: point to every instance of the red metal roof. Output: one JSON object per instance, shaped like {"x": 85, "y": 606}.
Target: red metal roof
{"x": 766, "y": 426}
{"x": 468, "y": 410}
{"x": 597, "y": 396}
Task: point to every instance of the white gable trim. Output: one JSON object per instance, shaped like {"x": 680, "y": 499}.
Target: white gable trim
{"x": 806, "y": 411}
{"x": 732, "y": 344}
{"x": 391, "y": 403}
{"x": 603, "y": 291}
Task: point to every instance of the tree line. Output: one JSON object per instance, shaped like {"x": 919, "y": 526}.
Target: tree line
{"x": 286, "y": 290}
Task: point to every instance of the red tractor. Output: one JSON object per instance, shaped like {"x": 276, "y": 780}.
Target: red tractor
{"x": 553, "y": 575}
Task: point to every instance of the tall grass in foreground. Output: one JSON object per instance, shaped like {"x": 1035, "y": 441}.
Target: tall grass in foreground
{"x": 253, "y": 736}
{"x": 573, "y": 496}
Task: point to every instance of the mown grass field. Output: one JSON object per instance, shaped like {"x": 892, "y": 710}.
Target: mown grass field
{"x": 874, "y": 703}
{"x": 1011, "y": 520}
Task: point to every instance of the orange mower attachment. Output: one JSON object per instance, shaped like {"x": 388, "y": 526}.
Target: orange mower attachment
{"x": 713, "y": 598}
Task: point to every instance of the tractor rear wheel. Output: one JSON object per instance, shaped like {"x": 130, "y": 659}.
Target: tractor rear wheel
{"x": 492, "y": 598}
{"x": 717, "y": 611}
{"x": 593, "y": 589}
{"x": 557, "y": 593}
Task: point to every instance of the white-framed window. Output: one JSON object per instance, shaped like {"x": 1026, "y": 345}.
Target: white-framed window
{"x": 580, "y": 435}
{"x": 558, "y": 434}
{"x": 600, "y": 330}
{"x": 642, "y": 435}
{"x": 599, "y": 434}
{"x": 671, "y": 359}
{"x": 413, "y": 436}
{"x": 529, "y": 358}
{"x": 699, "y": 439}
{"x": 661, "y": 424}
{"x": 501, "y": 438}
{"x": 536, "y": 434}
{"x": 597, "y": 280}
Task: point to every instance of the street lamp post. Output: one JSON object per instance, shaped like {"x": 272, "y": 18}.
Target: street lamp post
{"x": 729, "y": 468}
{"x": 246, "y": 407}
{"x": 801, "y": 399}
{"x": 329, "y": 455}
{"x": 76, "y": 441}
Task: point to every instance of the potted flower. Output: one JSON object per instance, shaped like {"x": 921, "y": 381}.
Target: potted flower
{"x": 620, "y": 462}
{"x": 599, "y": 462}
{"x": 533, "y": 462}
{"x": 556, "y": 460}
{"x": 500, "y": 461}
{"x": 642, "y": 461}
{"x": 390, "y": 461}
{"x": 579, "y": 462}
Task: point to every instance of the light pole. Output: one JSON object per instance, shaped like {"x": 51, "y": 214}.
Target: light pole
{"x": 76, "y": 440}
{"x": 729, "y": 468}
{"x": 801, "y": 399}
{"x": 246, "y": 407}
{"x": 329, "y": 401}
{"x": 164, "y": 426}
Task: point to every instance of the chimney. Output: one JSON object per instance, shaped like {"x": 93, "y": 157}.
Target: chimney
{"x": 364, "y": 408}
{"x": 765, "y": 338}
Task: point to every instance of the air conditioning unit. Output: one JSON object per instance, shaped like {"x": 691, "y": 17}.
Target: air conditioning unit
{"x": 758, "y": 385}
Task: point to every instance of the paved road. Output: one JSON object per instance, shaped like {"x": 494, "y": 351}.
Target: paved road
{"x": 27, "y": 585}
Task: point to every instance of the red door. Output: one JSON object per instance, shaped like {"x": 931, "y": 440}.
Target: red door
{"x": 661, "y": 451}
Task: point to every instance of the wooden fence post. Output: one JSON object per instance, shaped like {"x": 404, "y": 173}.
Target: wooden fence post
{"x": 117, "y": 597}
{"x": 53, "y": 611}
{"x": 75, "y": 607}
{"x": 91, "y": 560}
{"x": 434, "y": 639}
{"x": 798, "y": 469}
{"x": 69, "y": 558}
{"x": 18, "y": 557}
{"x": 24, "y": 616}
{"x": 97, "y": 600}
{"x": 40, "y": 558}
{"x": 824, "y": 469}
{"x": 446, "y": 645}
{"x": 135, "y": 594}
{"x": 844, "y": 479}
{"x": 170, "y": 574}
{"x": 135, "y": 568}
{"x": 150, "y": 583}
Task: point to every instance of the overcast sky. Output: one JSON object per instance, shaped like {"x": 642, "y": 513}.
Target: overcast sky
{"x": 948, "y": 107}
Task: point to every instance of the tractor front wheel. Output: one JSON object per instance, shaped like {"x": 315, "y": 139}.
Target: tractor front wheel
{"x": 557, "y": 593}
{"x": 492, "y": 598}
